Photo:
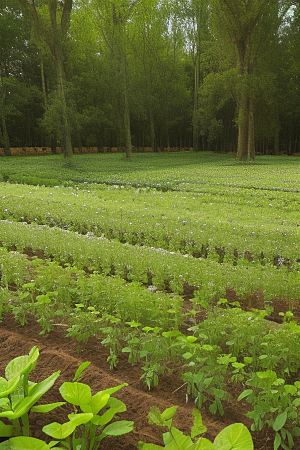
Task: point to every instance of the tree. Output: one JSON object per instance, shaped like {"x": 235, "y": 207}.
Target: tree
{"x": 113, "y": 20}
{"x": 50, "y": 22}
{"x": 12, "y": 43}
{"x": 248, "y": 25}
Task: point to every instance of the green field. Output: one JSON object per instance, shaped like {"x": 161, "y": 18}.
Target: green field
{"x": 173, "y": 259}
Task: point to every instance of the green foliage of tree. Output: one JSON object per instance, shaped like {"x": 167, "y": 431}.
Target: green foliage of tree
{"x": 219, "y": 75}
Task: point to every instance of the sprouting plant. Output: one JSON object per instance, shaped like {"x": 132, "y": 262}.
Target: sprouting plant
{"x": 86, "y": 429}
{"x": 18, "y": 395}
{"x": 275, "y": 405}
{"x": 234, "y": 437}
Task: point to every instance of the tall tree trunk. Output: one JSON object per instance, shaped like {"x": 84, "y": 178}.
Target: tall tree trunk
{"x": 66, "y": 139}
{"x": 243, "y": 121}
{"x": 196, "y": 102}
{"x": 127, "y": 127}
{"x": 128, "y": 144}
{"x": 5, "y": 136}
{"x": 43, "y": 84}
{"x": 251, "y": 138}
{"x": 152, "y": 131}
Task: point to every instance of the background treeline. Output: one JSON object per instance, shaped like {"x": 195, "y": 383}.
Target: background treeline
{"x": 220, "y": 75}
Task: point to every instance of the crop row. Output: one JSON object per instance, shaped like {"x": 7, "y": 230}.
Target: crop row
{"x": 46, "y": 289}
{"x": 208, "y": 226}
{"x": 165, "y": 270}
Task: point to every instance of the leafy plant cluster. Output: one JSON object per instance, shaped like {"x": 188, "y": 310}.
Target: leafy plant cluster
{"x": 92, "y": 419}
{"x": 195, "y": 224}
{"x": 83, "y": 430}
{"x": 165, "y": 270}
{"x": 50, "y": 292}
{"x": 229, "y": 347}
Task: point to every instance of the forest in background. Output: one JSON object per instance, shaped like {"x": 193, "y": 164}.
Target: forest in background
{"x": 221, "y": 75}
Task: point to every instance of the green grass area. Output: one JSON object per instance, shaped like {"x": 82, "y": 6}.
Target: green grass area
{"x": 179, "y": 170}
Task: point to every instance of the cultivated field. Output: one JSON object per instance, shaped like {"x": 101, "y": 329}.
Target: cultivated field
{"x": 176, "y": 273}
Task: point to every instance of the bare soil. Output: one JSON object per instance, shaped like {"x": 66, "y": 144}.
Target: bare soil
{"x": 60, "y": 353}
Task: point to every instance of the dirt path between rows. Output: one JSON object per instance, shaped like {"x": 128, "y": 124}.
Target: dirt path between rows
{"x": 60, "y": 353}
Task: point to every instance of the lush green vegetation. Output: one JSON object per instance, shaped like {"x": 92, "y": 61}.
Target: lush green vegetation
{"x": 204, "y": 74}
{"x": 114, "y": 253}
{"x": 85, "y": 430}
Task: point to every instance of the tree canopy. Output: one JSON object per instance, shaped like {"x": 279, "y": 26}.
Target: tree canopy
{"x": 220, "y": 75}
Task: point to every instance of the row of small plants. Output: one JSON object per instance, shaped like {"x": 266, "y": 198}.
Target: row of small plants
{"x": 50, "y": 292}
{"x": 229, "y": 347}
{"x": 92, "y": 419}
{"x": 208, "y": 226}
{"x": 166, "y": 270}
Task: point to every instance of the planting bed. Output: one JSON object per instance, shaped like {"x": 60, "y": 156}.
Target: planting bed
{"x": 60, "y": 353}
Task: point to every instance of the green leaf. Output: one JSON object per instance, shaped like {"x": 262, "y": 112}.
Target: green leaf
{"x": 234, "y": 437}
{"x": 80, "y": 369}
{"x": 203, "y": 444}
{"x": 248, "y": 359}
{"x": 198, "y": 427}
{"x": 155, "y": 416}
{"x": 280, "y": 421}
{"x": 24, "y": 443}
{"x": 290, "y": 389}
{"x": 47, "y": 408}
{"x": 244, "y": 394}
{"x": 5, "y": 430}
{"x": 177, "y": 440}
{"x": 118, "y": 428}
{"x": 22, "y": 364}
{"x": 143, "y": 446}
{"x": 97, "y": 402}
{"x": 219, "y": 393}
{"x": 126, "y": 350}
{"x": 77, "y": 394}
{"x": 296, "y": 431}
{"x": 213, "y": 408}
{"x": 168, "y": 414}
{"x": 61, "y": 431}
{"x": 277, "y": 441}
{"x": 35, "y": 392}
{"x": 116, "y": 406}
{"x": 43, "y": 299}
{"x": 114, "y": 389}
{"x": 191, "y": 339}
{"x": 7, "y": 387}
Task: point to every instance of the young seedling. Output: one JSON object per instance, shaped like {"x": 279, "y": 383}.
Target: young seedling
{"x": 233, "y": 437}
{"x": 18, "y": 395}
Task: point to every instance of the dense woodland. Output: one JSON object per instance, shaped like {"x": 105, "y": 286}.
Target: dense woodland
{"x": 221, "y": 75}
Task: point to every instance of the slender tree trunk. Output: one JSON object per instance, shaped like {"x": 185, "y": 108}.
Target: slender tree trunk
{"x": 127, "y": 127}
{"x": 5, "y": 136}
{"x": 128, "y": 144}
{"x": 43, "y": 85}
{"x": 243, "y": 121}
{"x": 251, "y": 138}
{"x": 152, "y": 131}
{"x": 196, "y": 103}
{"x": 66, "y": 139}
